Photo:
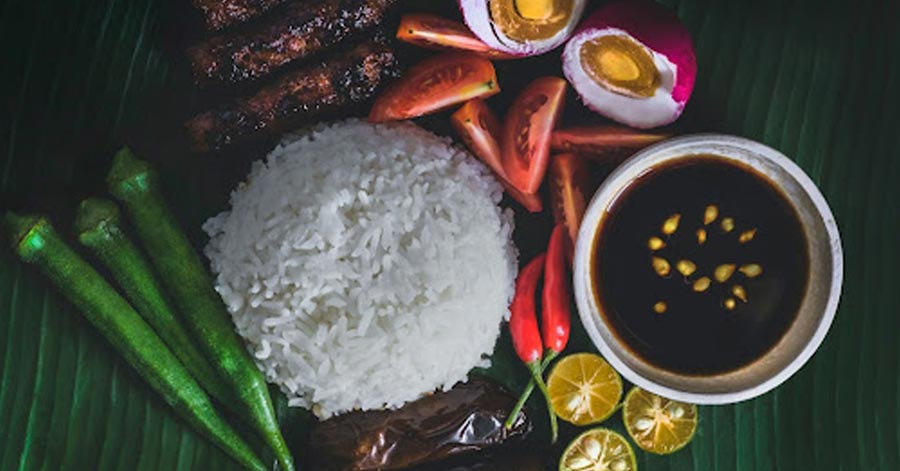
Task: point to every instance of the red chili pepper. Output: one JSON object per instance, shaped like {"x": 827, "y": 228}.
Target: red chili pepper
{"x": 526, "y": 336}
{"x": 555, "y": 314}
{"x": 523, "y": 324}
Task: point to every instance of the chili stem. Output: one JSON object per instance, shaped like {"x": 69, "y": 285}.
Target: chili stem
{"x": 535, "y": 368}
{"x": 526, "y": 393}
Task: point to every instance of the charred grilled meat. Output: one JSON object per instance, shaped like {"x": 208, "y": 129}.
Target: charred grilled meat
{"x": 221, "y": 14}
{"x": 465, "y": 419}
{"x": 295, "y": 31}
{"x": 313, "y": 92}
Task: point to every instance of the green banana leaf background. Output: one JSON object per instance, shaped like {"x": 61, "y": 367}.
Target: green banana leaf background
{"x": 817, "y": 79}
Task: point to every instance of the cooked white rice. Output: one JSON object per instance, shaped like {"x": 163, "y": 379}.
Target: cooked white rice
{"x": 365, "y": 265}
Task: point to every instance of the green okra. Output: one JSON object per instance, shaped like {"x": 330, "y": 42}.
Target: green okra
{"x": 36, "y": 242}
{"x": 186, "y": 279}
{"x": 98, "y": 226}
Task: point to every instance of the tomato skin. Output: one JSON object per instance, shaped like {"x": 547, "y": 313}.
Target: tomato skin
{"x": 434, "y": 84}
{"x": 435, "y": 32}
{"x": 525, "y": 142}
{"x": 608, "y": 143}
{"x": 478, "y": 127}
{"x": 572, "y": 183}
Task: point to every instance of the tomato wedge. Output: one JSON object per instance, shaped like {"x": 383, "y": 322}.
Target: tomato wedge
{"x": 435, "y": 32}
{"x": 434, "y": 84}
{"x": 572, "y": 184}
{"x": 530, "y": 201}
{"x": 608, "y": 143}
{"x": 525, "y": 142}
{"x": 478, "y": 128}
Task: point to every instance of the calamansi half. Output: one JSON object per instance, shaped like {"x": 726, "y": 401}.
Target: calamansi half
{"x": 657, "y": 424}
{"x": 598, "y": 449}
{"x": 584, "y": 389}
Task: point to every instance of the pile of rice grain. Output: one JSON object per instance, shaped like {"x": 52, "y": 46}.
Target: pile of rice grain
{"x": 365, "y": 265}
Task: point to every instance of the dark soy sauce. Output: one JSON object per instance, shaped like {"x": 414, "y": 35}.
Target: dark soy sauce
{"x": 734, "y": 235}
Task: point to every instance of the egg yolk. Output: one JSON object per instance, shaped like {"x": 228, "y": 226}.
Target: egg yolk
{"x": 618, "y": 63}
{"x": 531, "y": 20}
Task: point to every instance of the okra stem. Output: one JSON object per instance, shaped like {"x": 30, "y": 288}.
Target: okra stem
{"x": 186, "y": 279}
{"x": 36, "y": 242}
{"x": 99, "y": 228}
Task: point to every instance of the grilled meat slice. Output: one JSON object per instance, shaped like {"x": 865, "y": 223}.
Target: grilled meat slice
{"x": 293, "y": 32}
{"x": 221, "y": 14}
{"x": 312, "y": 92}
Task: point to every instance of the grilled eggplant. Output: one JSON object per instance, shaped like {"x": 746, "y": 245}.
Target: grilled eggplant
{"x": 220, "y": 14}
{"x": 293, "y": 32}
{"x": 465, "y": 419}
{"x": 310, "y": 93}
{"x": 514, "y": 458}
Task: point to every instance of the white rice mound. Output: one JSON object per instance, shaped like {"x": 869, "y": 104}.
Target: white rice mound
{"x": 365, "y": 265}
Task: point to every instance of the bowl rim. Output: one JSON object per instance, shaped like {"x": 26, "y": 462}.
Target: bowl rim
{"x": 637, "y": 165}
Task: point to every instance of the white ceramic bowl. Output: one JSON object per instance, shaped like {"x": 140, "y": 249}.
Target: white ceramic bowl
{"x": 817, "y": 309}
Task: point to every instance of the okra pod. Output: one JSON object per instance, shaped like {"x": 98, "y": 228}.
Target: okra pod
{"x": 98, "y": 226}
{"x": 36, "y": 242}
{"x": 187, "y": 280}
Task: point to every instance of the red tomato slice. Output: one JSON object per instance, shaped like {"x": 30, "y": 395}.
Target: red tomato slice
{"x": 525, "y": 141}
{"x": 434, "y": 84}
{"x": 572, "y": 184}
{"x": 478, "y": 128}
{"x": 435, "y": 32}
{"x": 608, "y": 143}
{"x": 530, "y": 201}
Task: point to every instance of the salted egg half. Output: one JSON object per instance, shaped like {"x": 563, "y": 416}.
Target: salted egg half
{"x": 633, "y": 62}
{"x": 522, "y": 27}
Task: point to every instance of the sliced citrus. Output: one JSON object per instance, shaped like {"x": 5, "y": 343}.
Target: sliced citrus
{"x": 584, "y": 389}
{"x": 657, "y": 424}
{"x": 598, "y": 449}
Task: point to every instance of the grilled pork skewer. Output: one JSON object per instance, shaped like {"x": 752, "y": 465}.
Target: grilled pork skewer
{"x": 298, "y": 30}
{"x": 309, "y": 93}
{"x": 220, "y": 14}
